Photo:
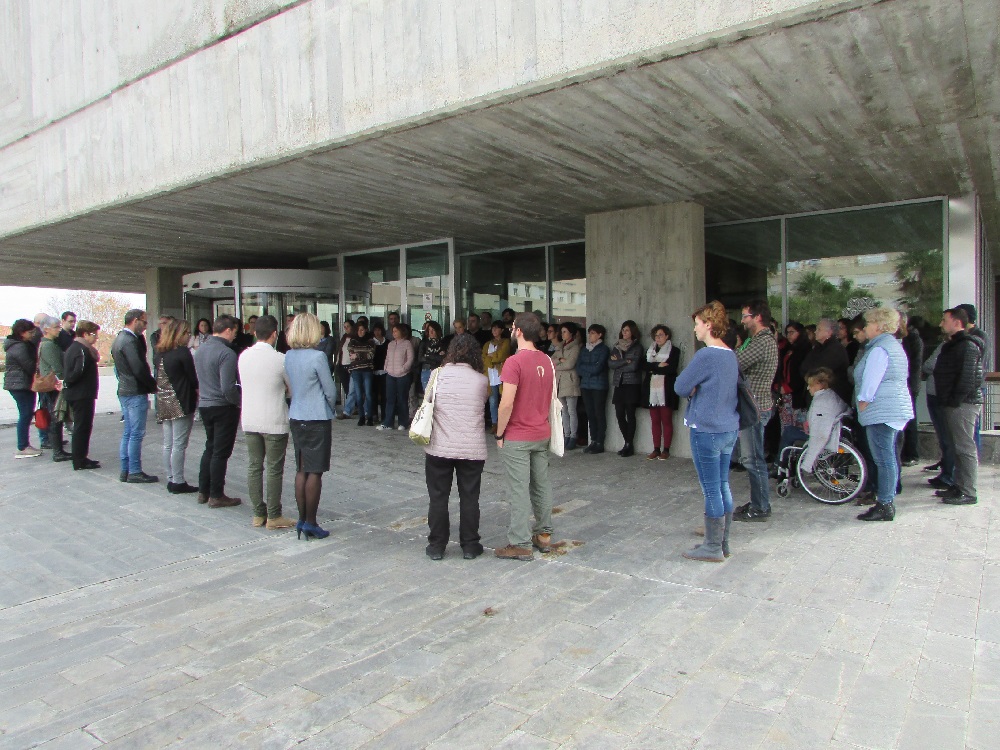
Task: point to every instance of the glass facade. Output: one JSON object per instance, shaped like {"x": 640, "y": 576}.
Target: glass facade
{"x": 371, "y": 284}
{"x": 428, "y": 285}
{"x": 833, "y": 264}
{"x": 549, "y": 280}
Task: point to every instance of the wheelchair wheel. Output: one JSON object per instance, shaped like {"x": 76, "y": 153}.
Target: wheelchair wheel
{"x": 838, "y": 476}
{"x": 782, "y": 488}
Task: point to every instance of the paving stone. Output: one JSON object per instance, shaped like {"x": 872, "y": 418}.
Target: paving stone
{"x": 950, "y": 649}
{"x": 933, "y": 727}
{"x": 738, "y": 725}
{"x": 696, "y": 705}
{"x": 804, "y": 723}
{"x": 558, "y": 720}
{"x": 631, "y": 711}
{"x": 484, "y": 728}
{"x": 943, "y": 684}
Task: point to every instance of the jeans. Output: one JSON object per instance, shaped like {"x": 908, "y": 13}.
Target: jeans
{"x": 265, "y": 451}
{"x": 789, "y": 436}
{"x": 882, "y": 444}
{"x": 83, "y": 425}
{"x": 494, "y": 404}
{"x": 220, "y": 423}
{"x": 176, "y": 433}
{"x": 25, "y": 400}
{"x": 529, "y": 491}
{"x": 595, "y": 402}
{"x": 755, "y": 462}
{"x": 362, "y": 384}
{"x": 661, "y": 419}
{"x": 425, "y": 376}
{"x": 397, "y": 393}
{"x": 570, "y": 423}
{"x": 48, "y": 401}
{"x": 134, "y": 411}
{"x": 961, "y": 421}
{"x": 439, "y": 471}
{"x": 944, "y": 440}
{"x": 711, "y": 452}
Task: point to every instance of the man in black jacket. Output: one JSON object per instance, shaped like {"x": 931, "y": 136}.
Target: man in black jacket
{"x": 958, "y": 378}
{"x": 829, "y": 352}
{"x": 135, "y": 383}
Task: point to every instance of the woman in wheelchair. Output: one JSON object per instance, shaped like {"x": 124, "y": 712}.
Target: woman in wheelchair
{"x": 823, "y": 423}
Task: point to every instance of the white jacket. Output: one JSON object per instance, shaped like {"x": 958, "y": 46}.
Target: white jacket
{"x": 825, "y": 413}
{"x": 262, "y": 375}
{"x": 459, "y": 430}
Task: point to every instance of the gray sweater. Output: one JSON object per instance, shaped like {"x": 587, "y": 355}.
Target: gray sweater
{"x": 215, "y": 364}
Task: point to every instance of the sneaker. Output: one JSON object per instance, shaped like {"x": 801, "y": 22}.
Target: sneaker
{"x": 401, "y": 428}
{"x": 258, "y": 521}
{"x": 435, "y": 553}
{"x": 938, "y": 483}
{"x": 280, "y": 523}
{"x": 27, "y": 452}
{"x": 752, "y": 514}
{"x": 202, "y": 498}
{"x": 45, "y": 445}
{"x": 961, "y": 500}
{"x": 879, "y": 512}
{"x": 382, "y": 427}
{"x": 141, "y": 477}
{"x": 510, "y": 552}
{"x": 664, "y": 455}
{"x": 933, "y": 467}
{"x": 182, "y": 489}
{"x": 123, "y": 476}
{"x": 653, "y": 456}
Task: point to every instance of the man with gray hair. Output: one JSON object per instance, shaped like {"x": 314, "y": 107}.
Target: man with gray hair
{"x": 830, "y": 353}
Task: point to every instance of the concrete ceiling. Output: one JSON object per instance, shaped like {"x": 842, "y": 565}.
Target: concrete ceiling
{"x": 894, "y": 101}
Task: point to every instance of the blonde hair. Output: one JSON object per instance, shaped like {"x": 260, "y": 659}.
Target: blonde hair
{"x": 886, "y": 318}
{"x": 173, "y": 335}
{"x": 304, "y": 332}
{"x": 820, "y": 376}
{"x": 714, "y": 313}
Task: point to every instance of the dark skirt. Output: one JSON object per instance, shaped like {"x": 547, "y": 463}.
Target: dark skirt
{"x": 626, "y": 395}
{"x": 312, "y": 440}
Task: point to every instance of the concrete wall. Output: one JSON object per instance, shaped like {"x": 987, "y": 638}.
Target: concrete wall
{"x": 648, "y": 265}
{"x": 93, "y": 113}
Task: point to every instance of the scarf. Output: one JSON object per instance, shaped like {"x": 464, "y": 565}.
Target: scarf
{"x": 623, "y": 346}
{"x": 657, "y": 383}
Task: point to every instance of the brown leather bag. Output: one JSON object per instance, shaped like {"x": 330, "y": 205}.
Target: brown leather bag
{"x": 44, "y": 383}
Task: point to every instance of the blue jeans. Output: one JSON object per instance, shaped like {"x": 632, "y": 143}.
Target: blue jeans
{"x": 753, "y": 458}
{"x": 25, "y": 401}
{"x": 425, "y": 376}
{"x": 711, "y": 452}
{"x": 947, "y": 472}
{"x": 134, "y": 411}
{"x": 882, "y": 444}
{"x": 494, "y": 404}
{"x": 397, "y": 394}
{"x": 362, "y": 382}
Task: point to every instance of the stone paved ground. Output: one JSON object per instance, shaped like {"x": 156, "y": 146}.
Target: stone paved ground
{"x": 136, "y": 619}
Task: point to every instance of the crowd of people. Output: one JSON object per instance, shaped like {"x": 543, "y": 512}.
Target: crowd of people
{"x": 497, "y": 380}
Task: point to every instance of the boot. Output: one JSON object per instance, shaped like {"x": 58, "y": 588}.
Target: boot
{"x": 879, "y": 512}
{"x": 725, "y": 535}
{"x": 711, "y": 550}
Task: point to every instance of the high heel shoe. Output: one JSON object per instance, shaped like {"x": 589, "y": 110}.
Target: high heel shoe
{"x": 312, "y": 530}
{"x": 298, "y": 529}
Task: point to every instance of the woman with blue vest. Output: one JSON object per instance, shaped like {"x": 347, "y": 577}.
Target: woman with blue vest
{"x": 709, "y": 384}
{"x": 883, "y": 403}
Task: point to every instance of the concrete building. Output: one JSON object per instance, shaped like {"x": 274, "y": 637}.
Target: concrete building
{"x": 597, "y": 159}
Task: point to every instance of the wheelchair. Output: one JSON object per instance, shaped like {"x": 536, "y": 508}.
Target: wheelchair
{"x": 838, "y": 476}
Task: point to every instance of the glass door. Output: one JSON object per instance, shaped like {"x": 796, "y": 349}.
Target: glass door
{"x": 428, "y": 282}
{"x": 372, "y": 286}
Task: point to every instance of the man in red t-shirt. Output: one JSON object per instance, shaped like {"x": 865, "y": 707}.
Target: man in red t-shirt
{"x": 523, "y": 434}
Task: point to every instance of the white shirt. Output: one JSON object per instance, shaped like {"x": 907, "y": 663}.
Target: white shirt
{"x": 262, "y": 375}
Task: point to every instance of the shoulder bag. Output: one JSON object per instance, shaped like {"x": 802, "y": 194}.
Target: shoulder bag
{"x": 423, "y": 420}
{"x": 745, "y": 404}
{"x": 168, "y": 406}
{"x": 557, "y": 443}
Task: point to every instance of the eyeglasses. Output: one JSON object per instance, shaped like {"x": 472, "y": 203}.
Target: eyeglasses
{"x": 746, "y": 315}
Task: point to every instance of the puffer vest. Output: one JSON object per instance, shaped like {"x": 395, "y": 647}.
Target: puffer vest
{"x": 892, "y": 399}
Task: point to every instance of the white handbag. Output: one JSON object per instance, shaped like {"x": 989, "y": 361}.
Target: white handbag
{"x": 423, "y": 420}
{"x": 557, "y": 443}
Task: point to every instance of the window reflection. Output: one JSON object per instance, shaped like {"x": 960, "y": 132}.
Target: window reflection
{"x": 512, "y": 278}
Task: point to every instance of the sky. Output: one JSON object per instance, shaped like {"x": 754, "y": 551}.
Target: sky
{"x": 25, "y": 302}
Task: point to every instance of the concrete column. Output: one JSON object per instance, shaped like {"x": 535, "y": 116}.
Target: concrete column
{"x": 164, "y": 294}
{"x": 648, "y": 265}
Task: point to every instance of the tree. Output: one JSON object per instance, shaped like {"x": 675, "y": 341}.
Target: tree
{"x": 815, "y": 297}
{"x": 921, "y": 282}
{"x": 104, "y": 308}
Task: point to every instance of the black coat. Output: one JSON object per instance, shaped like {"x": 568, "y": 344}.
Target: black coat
{"x": 913, "y": 345}
{"x": 178, "y": 365}
{"x": 958, "y": 374}
{"x": 672, "y": 400}
{"x": 80, "y": 370}
{"x": 832, "y": 355}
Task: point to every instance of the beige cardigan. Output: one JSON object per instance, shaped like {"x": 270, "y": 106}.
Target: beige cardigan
{"x": 458, "y": 430}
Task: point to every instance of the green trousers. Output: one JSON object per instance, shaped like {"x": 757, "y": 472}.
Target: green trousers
{"x": 528, "y": 489}
{"x": 265, "y": 451}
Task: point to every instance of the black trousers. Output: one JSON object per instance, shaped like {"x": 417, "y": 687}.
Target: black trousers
{"x": 625, "y": 413}
{"x": 83, "y": 425}
{"x": 911, "y": 434}
{"x": 595, "y": 402}
{"x": 220, "y": 437}
{"x": 439, "y": 472}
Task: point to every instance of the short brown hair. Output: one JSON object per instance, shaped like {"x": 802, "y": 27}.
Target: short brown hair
{"x": 86, "y": 326}
{"x": 714, "y": 313}
{"x": 529, "y": 325}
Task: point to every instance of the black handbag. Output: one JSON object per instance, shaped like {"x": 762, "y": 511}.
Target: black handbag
{"x": 745, "y": 404}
